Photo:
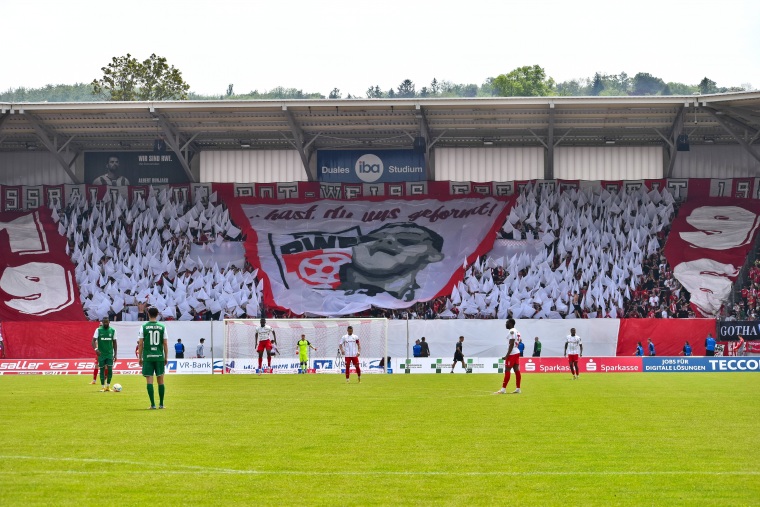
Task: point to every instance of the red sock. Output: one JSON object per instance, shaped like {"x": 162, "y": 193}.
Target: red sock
{"x": 518, "y": 378}
{"x": 358, "y": 370}
{"x": 95, "y": 374}
{"x": 507, "y": 374}
{"x": 259, "y": 363}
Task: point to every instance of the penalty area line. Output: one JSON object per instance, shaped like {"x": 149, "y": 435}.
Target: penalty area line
{"x": 201, "y": 470}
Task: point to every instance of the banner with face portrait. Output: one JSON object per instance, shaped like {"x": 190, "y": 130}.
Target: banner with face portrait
{"x": 124, "y": 168}
{"x": 328, "y": 257}
{"x": 37, "y": 281}
{"x": 707, "y": 246}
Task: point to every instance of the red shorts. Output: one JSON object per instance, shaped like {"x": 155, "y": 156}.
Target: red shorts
{"x": 512, "y": 360}
{"x": 264, "y": 344}
{"x": 350, "y": 360}
{"x": 573, "y": 358}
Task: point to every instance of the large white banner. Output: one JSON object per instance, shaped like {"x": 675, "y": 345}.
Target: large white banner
{"x": 341, "y": 257}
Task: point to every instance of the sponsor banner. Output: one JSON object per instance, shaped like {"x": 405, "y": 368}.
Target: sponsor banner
{"x": 37, "y": 280}
{"x": 732, "y": 330}
{"x": 708, "y": 244}
{"x": 189, "y": 366}
{"x": 527, "y": 365}
{"x": 64, "y": 367}
{"x": 291, "y": 365}
{"x": 123, "y": 168}
{"x": 700, "y": 364}
{"x": 375, "y": 166}
{"x": 443, "y": 365}
{"x": 585, "y": 365}
{"x": 335, "y": 258}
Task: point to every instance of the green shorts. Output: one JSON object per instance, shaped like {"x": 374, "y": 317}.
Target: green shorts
{"x": 151, "y": 368}
{"x": 303, "y": 359}
{"x": 105, "y": 361}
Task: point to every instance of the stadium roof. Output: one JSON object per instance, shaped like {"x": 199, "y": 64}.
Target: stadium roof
{"x": 306, "y": 125}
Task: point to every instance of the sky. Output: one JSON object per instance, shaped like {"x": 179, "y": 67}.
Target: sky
{"x": 319, "y": 45}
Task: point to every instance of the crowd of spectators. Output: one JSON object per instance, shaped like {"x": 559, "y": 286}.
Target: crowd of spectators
{"x": 574, "y": 254}
{"x": 128, "y": 257}
{"x": 747, "y": 305}
{"x": 600, "y": 254}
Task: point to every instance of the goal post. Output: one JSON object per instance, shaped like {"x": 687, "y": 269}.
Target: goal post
{"x": 240, "y": 355}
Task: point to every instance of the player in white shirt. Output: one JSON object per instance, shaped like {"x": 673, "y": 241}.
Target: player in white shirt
{"x": 350, "y": 348}
{"x": 573, "y": 350}
{"x": 265, "y": 336}
{"x": 511, "y": 359}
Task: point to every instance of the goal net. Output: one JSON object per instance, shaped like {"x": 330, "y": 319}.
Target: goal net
{"x": 240, "y": 355}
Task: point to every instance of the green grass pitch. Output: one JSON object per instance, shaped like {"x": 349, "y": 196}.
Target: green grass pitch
{"x": 617, "y": 439}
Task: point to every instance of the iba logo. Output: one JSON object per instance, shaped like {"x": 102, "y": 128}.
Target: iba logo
{"x": 369, "y": 168}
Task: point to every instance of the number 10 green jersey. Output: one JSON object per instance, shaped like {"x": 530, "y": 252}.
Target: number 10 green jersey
{"x": 153, "y": 335}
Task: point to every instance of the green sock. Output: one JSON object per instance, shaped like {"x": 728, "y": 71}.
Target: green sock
{"x": 102, "y": 376}
{"x": 161, "y": 390}
{"x": 110, "y": 374}
{"x": 150, "y": 395}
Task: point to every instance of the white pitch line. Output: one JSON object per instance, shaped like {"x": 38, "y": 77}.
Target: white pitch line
{"x": 199, "y": 470}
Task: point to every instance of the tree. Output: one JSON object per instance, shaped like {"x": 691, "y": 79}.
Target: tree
{"x": 681, "y": 89}
{"x": 434, "y": 87}
{"x": 527, "y": 81}
{"x": 487, "y": 89}
{"x": 571, "y": 88}
{"x": 645, "y": 83}
{"x": 624, "y": 83}
{"x": 708, "y": 86}
{"x": 597, "y": 85}
{"x": 334, "y": 94}
{"x": 406, "y": 89}
{"x": 230, "y": 93}
{"x": 374, "y": 92}
{"x": 126, "y": 78}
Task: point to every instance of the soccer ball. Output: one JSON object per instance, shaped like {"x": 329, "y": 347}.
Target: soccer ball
{"x": 117, "y": 388}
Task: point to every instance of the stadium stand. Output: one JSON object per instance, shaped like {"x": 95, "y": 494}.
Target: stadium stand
{"x": 603, "y": 250}
{"x": 125, "y": 255}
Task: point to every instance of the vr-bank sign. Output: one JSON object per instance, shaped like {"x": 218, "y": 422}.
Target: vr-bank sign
{"x": 701, "y": 364}
{"x": 380, "y": 166}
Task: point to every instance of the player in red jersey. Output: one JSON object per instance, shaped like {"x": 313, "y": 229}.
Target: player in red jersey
{"x": 573, "y": 350}
{"x": 512, "y": 359}
{"x": 350, "y": 348}
{"x": 264, "y": 342}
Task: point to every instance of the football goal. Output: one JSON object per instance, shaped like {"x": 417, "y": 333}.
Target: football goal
{"x": 240, "y": 355}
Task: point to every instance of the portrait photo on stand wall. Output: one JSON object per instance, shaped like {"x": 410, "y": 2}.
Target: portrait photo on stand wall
{"x": 157, "y": 167}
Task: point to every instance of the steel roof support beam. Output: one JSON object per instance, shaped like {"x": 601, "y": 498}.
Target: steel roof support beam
{"x": 671, "y": 152}
{"x": 724, "y": 123}
{"x": 549, "y": 165}
{"x": 50, "y": 145}
{"x": 540, "y": 140}
{"x": 173, "y": 141}
{"x": 747, "y": 115}
{"x": 724, "y": 113}
{"x": 303, "y": 149}
{"x": 3, "y": 118}
{"x": 425, "y": 133}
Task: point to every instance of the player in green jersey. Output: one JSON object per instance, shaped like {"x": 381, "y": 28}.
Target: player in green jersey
{"x": 303, "y": 352}
{"x": 153, "y": 351}
{"x": 104, "y": 343}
